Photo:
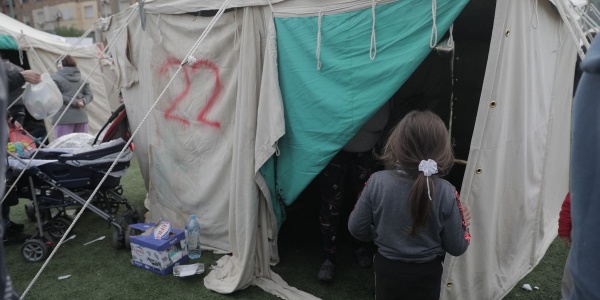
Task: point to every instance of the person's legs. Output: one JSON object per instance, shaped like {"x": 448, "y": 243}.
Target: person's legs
{"x": 362, "y": 166}
{"x": 402, "y": 280}
{"x": 10, "y": 227}
{"x": 80, "y": 127}
{"x": 63, "y": 129}
{"x": 331, "y": 181}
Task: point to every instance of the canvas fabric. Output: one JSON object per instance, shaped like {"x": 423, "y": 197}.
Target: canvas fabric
{"x": 515, "y": 179}
{"x": 209, "y": 166}
{"x": 225, "y": 174}
{"x": 325, "y": 107}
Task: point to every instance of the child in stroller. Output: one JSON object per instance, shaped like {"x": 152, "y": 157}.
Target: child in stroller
{"x": 59, "y": 178}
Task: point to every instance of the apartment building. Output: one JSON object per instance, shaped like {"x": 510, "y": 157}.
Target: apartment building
{"x": 46, "y": 15}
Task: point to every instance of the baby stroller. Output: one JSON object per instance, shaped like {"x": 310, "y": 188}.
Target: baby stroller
{"x": 61, "y": 178}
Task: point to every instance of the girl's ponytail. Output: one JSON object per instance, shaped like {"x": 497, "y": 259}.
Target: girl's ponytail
{"x": 420, "y": 147}
{"x": 421, "y": 194}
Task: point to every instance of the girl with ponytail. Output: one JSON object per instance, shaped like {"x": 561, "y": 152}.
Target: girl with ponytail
{"x": 412, "y": 215}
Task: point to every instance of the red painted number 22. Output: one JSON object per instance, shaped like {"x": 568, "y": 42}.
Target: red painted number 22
{"x": 190, "y": 70}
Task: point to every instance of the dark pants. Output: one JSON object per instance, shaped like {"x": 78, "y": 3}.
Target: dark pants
{"x": 407, "y": 281}
{"x": 359, "y": 167}
{"x": 11, "y": 200}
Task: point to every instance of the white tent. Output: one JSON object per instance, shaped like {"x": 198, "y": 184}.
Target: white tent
{"x": 517, "y": 175}
{"x": 204, "y": 156}
{"x": 42, "y": 51}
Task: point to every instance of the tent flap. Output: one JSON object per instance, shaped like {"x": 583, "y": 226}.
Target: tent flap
{"x": 325, "y": 106}
{"x": 516, "y": 177}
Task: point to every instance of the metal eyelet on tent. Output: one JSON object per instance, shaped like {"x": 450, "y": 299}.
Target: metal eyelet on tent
{"x": 493, "y": 104}
{"x": 507, "y": 33}
{"x": 478, "y": 171}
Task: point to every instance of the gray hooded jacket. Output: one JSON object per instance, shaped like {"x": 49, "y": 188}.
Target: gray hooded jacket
{"x": 382, "y": 214}
{"x": 68, "y": 80}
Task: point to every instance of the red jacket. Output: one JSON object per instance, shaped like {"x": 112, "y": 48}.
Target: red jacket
{"x": 564, "y": 218}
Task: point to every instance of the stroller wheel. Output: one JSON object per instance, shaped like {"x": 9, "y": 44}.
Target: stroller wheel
{"x": 128, "y": 233}
{"x": 58, "y": 226}
{"x": 34, "y": 250}
{"x": 30, "y": 212}
{"x": 118, "y": 239}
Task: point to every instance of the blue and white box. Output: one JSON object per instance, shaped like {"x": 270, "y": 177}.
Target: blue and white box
{"x": 158, "y": 255}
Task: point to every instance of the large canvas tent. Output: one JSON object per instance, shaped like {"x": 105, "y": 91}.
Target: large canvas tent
{"x": 43, "y": 49}
{"x": 275, "y": 89}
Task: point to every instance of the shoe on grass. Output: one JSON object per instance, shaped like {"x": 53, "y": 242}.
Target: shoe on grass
{"x": 364, "y": 259}
{"x": 15, "y": 238}
{"x": 327, "y": 271}
{"x": 13, "y": 228}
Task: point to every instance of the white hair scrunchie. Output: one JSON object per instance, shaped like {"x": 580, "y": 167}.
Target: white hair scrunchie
{"x": 428, "y": 167}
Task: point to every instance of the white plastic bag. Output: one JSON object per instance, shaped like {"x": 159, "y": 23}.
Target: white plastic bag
{"x": 43, "y": 99}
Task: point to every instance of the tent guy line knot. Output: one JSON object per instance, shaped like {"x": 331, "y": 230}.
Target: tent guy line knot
{"x": 373, "y": 48}
{"x": 434, "y": 32}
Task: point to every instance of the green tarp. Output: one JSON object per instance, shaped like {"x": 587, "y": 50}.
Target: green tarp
{"x": 7, "y": 43}
{"x": 325, "y": 108}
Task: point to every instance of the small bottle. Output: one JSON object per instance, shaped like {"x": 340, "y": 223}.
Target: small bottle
{"x": 192, "y": 237}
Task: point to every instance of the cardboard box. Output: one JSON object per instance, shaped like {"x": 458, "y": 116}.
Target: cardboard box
{"x": 158, "y": 255}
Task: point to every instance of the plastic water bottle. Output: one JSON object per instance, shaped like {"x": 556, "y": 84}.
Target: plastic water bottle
{"x": 192, "y": 237}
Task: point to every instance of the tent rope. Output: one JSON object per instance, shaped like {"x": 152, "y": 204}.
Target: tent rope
{"x": 34, "y": 52}
{"x": 373, "y": 48}
{"x": 434, "y": 32}
{"x": 15, "y": 102}
{"x": 271, "y": 5}
{"x": 450, "y": 42}
{"x": 567, "y": 22}
{"x": 20, "y": 55}
{"x": 594, "y": 10}
{"x": 535, "y": 20}
{"x": 592, "y": 25}
{"x": 120, "y": 31}
{"x": 318, "y": 52}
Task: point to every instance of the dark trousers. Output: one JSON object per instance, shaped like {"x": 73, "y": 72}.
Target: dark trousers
{"x": 359, "y": 167}
{"x": 11, "y": 200}
{"x": 402, "y": 280}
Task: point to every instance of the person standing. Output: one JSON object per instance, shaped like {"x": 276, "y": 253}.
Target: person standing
{"x": 17, "y": 109}
{"x": 584, "y": 262}
{"x": 357, "y": 161}
{"x": 16, "y": 77}
{"x": 68, "y": 79}
{"x": 9, "y": 81}
{"x": 413, "y": 216}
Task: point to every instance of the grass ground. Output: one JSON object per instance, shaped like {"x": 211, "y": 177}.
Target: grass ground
{"x": 98, "y": 271}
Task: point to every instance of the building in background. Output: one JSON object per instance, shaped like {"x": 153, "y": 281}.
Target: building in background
{"x": 47, "y": 15}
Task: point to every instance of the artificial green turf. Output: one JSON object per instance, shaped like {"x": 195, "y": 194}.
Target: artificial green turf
{"x": 99, "y": 271}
